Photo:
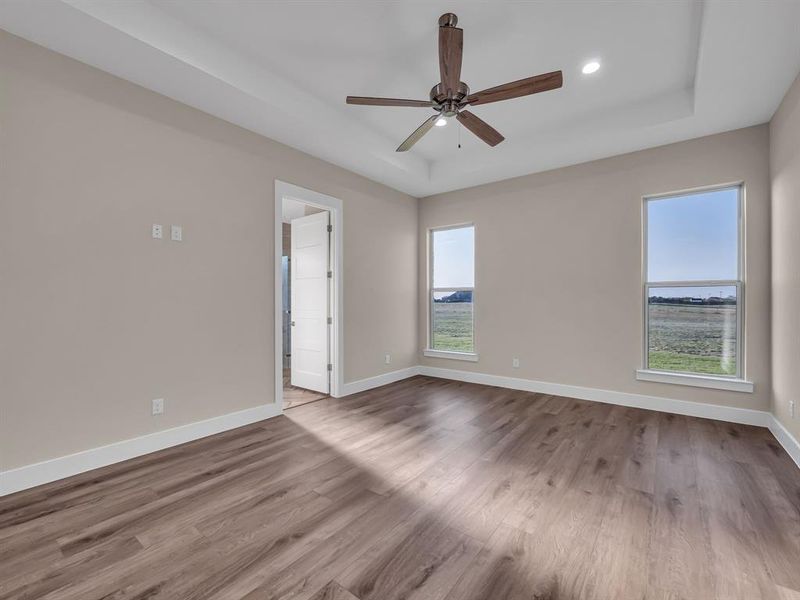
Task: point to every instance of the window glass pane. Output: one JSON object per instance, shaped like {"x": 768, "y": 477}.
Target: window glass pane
{"x": 452, "y": 321}
{"x": 453, "y": 258}
{"x": 693, "y": 237}
{"x": 692, "y": 329}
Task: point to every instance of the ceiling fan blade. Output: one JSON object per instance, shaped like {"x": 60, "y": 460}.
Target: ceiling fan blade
{"x": 368, "y": 101}
{"x": 451, "y": 46}
{"x": 417, "y": 135}
{"x": 480, "y": 128}
{"x": 515, "y": 89}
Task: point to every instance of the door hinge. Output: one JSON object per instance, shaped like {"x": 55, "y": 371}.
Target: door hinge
{"x": 330, "y": 320}
{"x": 330, "y": 367}
{"x": 330, "y": 228}
{"x": 330, "y": 274}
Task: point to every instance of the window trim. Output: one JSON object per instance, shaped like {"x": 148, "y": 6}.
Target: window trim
{"x": 736, "y": 382}
{"x": 451, "y": 354}
{"x": 695, "y": 380}
{"x": 429, "y": 350}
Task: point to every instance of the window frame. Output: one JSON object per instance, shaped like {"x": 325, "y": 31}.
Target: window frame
{"x": 430, "y": 350}
{"x": 687, "y": 377}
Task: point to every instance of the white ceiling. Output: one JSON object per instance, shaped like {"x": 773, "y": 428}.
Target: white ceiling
{"x": 671, "y": 70}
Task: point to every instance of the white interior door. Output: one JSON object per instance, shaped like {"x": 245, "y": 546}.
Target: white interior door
{"x": 309, "y": 289}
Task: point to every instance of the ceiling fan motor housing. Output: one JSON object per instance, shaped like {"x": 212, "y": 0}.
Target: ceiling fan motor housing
{"x": 439, "y": 96}
{"x": 451, "y": 97}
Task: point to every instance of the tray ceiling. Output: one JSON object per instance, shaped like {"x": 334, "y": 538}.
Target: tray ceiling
{"x": 669, "y": 71}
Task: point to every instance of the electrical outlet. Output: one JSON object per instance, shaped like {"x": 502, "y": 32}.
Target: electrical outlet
{"x": 176, "y": 233}
{"x": 157, "y": 232}
{"x": 388, "y": 359}
{"x": 791, "y": 408}
{"x": 158, "y": 406}
{"x": 515, "y": 362}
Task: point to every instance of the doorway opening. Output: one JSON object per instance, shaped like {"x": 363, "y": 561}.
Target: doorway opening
{"x": 308, "y": 295}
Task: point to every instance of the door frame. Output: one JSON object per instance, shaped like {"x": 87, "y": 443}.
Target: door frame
{"x": 336, "y": 349}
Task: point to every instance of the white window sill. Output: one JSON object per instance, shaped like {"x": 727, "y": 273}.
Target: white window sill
{"x": 468, "y": 356}
{"x": 705, "y": 381}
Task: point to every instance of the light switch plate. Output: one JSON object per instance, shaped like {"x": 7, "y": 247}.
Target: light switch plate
{"x": 176, "y": 233}
{"x": 157, "y": 233}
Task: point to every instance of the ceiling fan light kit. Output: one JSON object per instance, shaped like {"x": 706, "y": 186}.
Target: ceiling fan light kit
{"x": 451, "y": 96}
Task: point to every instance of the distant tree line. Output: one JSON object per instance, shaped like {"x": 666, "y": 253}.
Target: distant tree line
{"x": 689, "y": 300}
{"x": 459, "y": 296}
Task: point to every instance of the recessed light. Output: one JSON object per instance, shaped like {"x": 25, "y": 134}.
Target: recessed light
{"x": 440, "y": 122}
{"x": 591, "y": 67}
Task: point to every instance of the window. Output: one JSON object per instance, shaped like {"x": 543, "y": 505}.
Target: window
{"x": 693, "y": 283}
{"x": 452, "y": 286}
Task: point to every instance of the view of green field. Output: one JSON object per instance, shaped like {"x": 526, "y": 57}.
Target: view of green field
{"x": 452, "y": 326}
{"x": 692, "y": 339}
{"x": 683, "y": 338}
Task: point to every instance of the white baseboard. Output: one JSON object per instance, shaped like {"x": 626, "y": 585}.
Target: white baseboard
{"x": 30, "y": 476}
{"x": 745, "y": 416}
{"x": 786, "y": 439}
{"x": 681, "y": 407}
{"x": 362, "y": 385}
{"x": 58, "y": 468}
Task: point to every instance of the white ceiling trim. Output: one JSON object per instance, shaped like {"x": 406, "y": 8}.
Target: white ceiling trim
{"x": 743, "y": 58}
{"x": 138, "y": 42}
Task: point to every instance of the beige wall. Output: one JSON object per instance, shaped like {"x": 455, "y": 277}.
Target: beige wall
{"x": 785, "y": 165}
{"x": 97, "y": 318}
{"x": 558, "y": 266}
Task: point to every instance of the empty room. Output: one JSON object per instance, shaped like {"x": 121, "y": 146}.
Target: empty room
{"x": 399, "y": 300}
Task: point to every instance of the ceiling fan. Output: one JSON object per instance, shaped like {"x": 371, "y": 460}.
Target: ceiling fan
{"x": 450, "y": 97}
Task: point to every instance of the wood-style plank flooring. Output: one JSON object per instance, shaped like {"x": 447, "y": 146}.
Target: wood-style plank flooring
{"x": 295, "y": 396}
{"x": 424, "y": 489}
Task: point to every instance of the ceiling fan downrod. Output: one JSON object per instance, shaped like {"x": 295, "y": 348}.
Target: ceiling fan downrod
{"x": 451, "y": 96}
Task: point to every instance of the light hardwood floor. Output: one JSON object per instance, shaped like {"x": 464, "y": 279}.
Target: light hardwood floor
{"x": 424, "y": 489}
